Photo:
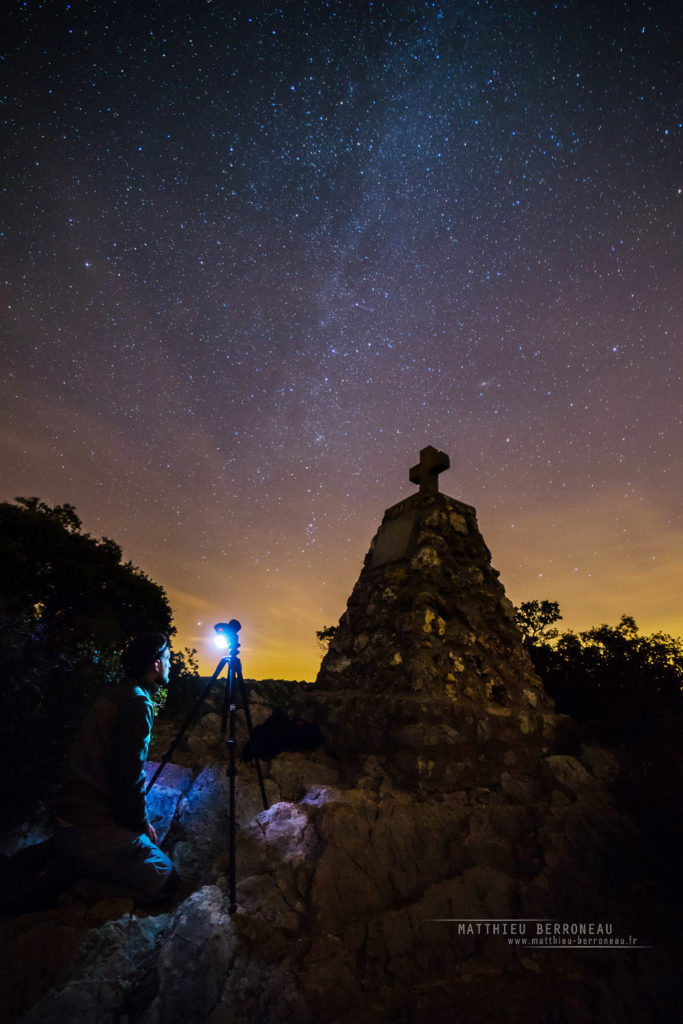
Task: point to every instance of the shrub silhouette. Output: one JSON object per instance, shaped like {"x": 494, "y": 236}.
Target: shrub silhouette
{"x": 68, "y": 603}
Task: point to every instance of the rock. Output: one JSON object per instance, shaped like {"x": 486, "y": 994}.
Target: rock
{"x": 163, "y": 798}
{"x": 565, "y": 773}
{"x": 108, "y": 909}
{"x": 209, "y": 727}
{"x": 173, "y": 776}
{"x": 196, "y": 952}
{"x": 601, "y": 763}
{"x": 293, "y": 774}
{"x": 111, "y": 961}
{"x": 196, "y": 746}
{"x": 37, "y": 949}
{"x": 204, "y": 815}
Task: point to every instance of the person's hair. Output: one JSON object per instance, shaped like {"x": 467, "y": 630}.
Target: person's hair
{"x": 141, "y": 653}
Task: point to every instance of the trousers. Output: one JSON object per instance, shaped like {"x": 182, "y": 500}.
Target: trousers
{"x": 115, "y": 854}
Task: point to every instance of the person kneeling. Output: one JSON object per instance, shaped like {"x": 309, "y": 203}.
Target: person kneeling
{"x": 102, "y": 824}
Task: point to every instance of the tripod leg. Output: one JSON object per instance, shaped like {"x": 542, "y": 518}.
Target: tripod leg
{"x": 231, "y": 742}
{"x": 229, "y": 710}
{"x": 247, "y": 715}
{"x": 186, "y": 724}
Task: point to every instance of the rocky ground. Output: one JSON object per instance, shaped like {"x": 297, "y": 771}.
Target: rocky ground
{"x": 348, "y": 895}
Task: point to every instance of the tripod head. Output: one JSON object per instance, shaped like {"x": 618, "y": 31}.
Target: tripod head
{"x": 226, "y": 636}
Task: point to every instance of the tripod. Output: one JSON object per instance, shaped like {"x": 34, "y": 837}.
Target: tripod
{"x": 227, "y": 632}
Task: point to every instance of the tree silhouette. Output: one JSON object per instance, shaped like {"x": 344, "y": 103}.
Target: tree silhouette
{"x": 535, "y": 620}
{"x": 625, "y": 690}
{"x": 68, "y": 603}
{"x": 325, "y": 636}
{"x": 612, "y": 679}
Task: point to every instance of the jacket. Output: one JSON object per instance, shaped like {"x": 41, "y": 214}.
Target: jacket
{"x": 107, "y": 784}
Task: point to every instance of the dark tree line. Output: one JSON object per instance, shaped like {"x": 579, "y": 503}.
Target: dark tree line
{"x": 68, "y": 603}
{"x": 625, "y": 690}
{"x": 611, "y": 679}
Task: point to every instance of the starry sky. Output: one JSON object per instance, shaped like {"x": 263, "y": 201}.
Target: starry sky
{"x": 255, "y": 256}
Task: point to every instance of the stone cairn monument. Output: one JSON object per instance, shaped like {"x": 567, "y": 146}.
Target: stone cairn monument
{"x": 401, "y": 875}
{"x": 427, "y": 668}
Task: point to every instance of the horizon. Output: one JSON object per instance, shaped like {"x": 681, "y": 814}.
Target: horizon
{"x": 287, "y": 647}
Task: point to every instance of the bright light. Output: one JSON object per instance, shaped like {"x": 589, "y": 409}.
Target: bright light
{"x": 226, "y": 635}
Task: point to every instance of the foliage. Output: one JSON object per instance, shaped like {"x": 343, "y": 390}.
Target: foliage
{"x": 67, "y": 605}
{"x": 184, "y": 684}
{"x": 612, "y": 679}
{"x": 535, "y": 619}
{"x": 77, "y": 588}
{"x": 625, "y": 690}
{"x": 325, "y": 636}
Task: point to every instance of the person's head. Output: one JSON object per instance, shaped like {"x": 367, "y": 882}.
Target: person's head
{"x": 147, "y": 659}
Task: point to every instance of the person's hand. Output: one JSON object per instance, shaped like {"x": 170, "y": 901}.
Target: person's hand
{"x": 151, "y": 832}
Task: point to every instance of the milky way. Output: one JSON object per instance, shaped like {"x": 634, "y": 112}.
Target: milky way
{"x": 257, "y": 255}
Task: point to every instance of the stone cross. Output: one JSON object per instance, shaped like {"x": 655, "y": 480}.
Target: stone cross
{"x": 426, "y": 473}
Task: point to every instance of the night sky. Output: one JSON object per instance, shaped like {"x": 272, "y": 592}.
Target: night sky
{"x": 256, "y": 256}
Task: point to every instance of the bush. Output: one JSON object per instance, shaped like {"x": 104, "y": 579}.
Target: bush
{"x": 625, "y": 690}
{"x": 67, "y": 605}
{"x": 611, "y": 679}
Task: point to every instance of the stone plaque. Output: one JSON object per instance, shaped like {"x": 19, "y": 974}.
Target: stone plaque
{"x": 394, "y": 540}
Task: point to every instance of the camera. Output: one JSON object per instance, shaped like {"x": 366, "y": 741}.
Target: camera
{"x": 226, "y": 634}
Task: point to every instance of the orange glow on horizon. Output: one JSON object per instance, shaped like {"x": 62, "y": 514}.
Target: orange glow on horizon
{"x": 597, "y": 567}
